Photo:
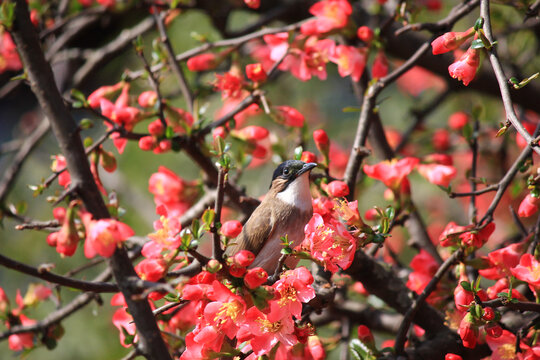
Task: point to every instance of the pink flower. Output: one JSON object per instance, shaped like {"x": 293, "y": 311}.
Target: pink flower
{"x": 527, "y": 270}
{"x": 292, "y": 289}
{"x": 330, "y": 14}
{"x": 104, "y": 235}
{"x": 350, "y": 61}
{"x": 329, "y": 242}
{"x": 147, "y": 98}
{"x": 229, "y": 84}
{"x": 59, "y": 163}
{"x": 19, "y": 342}
{"x": 264, "y": 331}
{"x": 152, "y": 269}
{"x": 450, "y": 41}
{"x": 310, "y": 59}
{"x": 124, "y": 323}
{"x": 465, "y": 68}
{"x": 166, "y": 235}
{"x": 478, "y": 238}
{"x": 337, "y": 188}
{"x": 391, "y": 172}
{"x": 502, "y": 261}
{"x": 103, "y": 92}
{"x": 437, "y": 174}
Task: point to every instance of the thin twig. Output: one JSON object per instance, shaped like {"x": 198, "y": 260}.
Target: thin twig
{"x": 473, "y": 144}
{"x": 502, "y": 80}
{"x": 186, "y": 92}
{"x": 217, "y": 251}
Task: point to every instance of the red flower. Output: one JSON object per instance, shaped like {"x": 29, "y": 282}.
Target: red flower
{"x": 458, "y": 120}
{"x": 59, "y": 163}
{"x": 147, "y": 98}
{"x": 9, "y": 57}
{"x": 308, "y": 157}
{"x": 478, "y": 238}
{"x": 350, "y": 61}
{"x": 255, "y": 72}
{"x": 365, "y": 335}
{"x": 202, "y": 62}
{"x": 380, "y": 66}
{"x": 308, "y": 58}
{"x": 292, "y": 289}
{"x": 391, "y": 172}
{"x": 124, "y": 323}
{"x": 104, "y": 235}
{"x": 103, "y": 92}
{"x": 251, "y": 133}
{"x": 452, "y": 357}
{"x": 450, "y": 41}
{"x": 501, "y": 261}
{"x": 520, "y": 141}
{"x": 290, "y": 116}
{"x": 465, "y": 68}
{"x": 152, "y": 269}
{"x": 529, "y": 206}
{"x": 253, "y": 4}
{"x": 231, "y": 228}
{"x": 337, "y": 188}
{"x": 229, "y": 84}
{"x": 441, "y": 140}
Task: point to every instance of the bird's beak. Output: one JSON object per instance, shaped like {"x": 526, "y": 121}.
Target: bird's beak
{"x": 307, "y": 167}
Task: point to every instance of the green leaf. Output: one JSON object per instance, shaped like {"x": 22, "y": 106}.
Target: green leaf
{"x": 479, "y": 23}
{"x": 390, "y": 212}
{"x": 350, "y": 109}
{"x": 477, "y": 44}
{"x": 77, "y": 95}
{"x": 169, "y": 132}
{"x": 195, "y": 226}
{"x": 7, "y": 13}
{"x": 171, "y": 298}
{"x": 360, "y": 351}
{"x": 466, "y": 285}
{"x": 208, "y": 216}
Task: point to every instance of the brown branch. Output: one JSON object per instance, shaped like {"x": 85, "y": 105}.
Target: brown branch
{"x": 430, "y": 287}
{"x": 519, "y": 305}
{"x": 43, "y": 85}
{"x": 98, "y": 287}
{"x": 55, "y": 317}
{"x": 502, "y": 80}
{"x": 11, "y": 172}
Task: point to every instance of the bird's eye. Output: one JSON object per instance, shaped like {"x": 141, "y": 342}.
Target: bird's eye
{"x": 285, "y": 171}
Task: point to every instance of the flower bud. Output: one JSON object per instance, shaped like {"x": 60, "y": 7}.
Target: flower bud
{"x": 156, "y": 128}
{"x": 237, "y": 270}
{"x": 528, "y": 206}
{"x": 452, "y": 357}
{"x": 450, "y": 41}
{"x": 253, "y": 4}
{"x": 465, "y": 68}
{"x": 147, "y": 98}
{"x": 365, "y": 34}
{"x": 365, "y": 335}
{"x": 371, "y": 214}
{"x": 489, "y": 314}
{"x": 231, "y": 229}
{"x": 243, "y": 258}
{"x": 151, "y": 269}
{"x": 494, "y": 330}
{"x": 468, "y": 331}
{"x": 147, "y": 143}
{"x": 107, "y": 161}
{"x": 255, "y": 277}
{"x": 321, "y": 140}
{"x": 441, "y": 140}
{"x": 380, "y": 66}
{"x": 291, "y": 116}
{"x": 202, "y": 62}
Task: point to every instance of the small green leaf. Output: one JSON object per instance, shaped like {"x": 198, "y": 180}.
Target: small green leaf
{"x": 169, "y": 132}
{"x": 479, "y": 23}
{"x": 350, "y": 109}
{"x": 7, "y": 11}
{"x": 360, "y": 351}
{"x": 77, "y": 95}
{"x": 208, "y": 216}
{"x": 477, "y": 44}
{"x": 171, "y": 298}
{"x": 466, "y": 285}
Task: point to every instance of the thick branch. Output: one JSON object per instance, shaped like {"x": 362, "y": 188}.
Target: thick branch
{"x": 42, "y": 83}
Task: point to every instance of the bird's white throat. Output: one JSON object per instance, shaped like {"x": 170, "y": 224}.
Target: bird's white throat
{"x": 297, "y": 193}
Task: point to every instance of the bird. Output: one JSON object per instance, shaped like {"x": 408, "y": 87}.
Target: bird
{"x": 284, "y": 211}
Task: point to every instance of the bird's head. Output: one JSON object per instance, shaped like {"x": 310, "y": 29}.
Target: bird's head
{"x": 289, "y": 172}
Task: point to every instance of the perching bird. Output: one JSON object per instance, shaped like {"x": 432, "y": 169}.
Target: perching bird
{"x": 285, "y": 210}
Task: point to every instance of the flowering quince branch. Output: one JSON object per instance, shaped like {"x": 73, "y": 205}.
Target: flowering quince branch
{"x": 501, "y": 79}
{"x": 188, "y": 96}
{"x": 513, "y": 305}
{"x": 58, "y": 279}
{"x": 409, "y": 315}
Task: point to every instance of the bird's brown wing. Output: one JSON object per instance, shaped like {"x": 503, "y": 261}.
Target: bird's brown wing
{"x": 257, "y": 230}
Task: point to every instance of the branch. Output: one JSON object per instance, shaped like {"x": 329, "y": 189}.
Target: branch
{"x": 44, "y": 274}
{"x": 10, "y": 173}
{"x": 404, "y": 328}
{"x": 186, "y": 92}
{"x": 217, "y": 251}
{"x": 66, "y": 131}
